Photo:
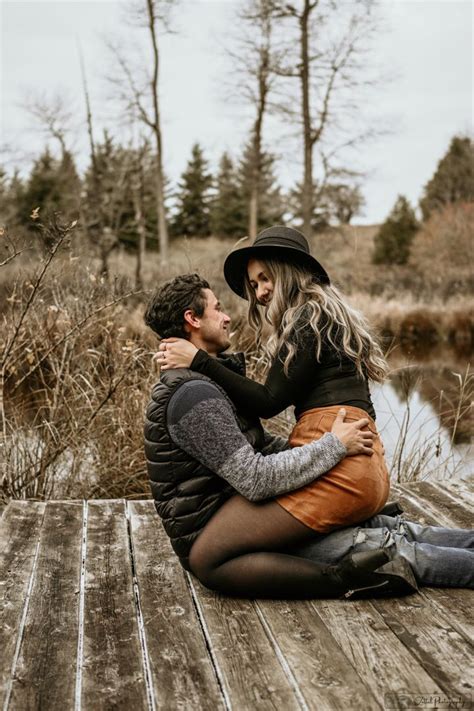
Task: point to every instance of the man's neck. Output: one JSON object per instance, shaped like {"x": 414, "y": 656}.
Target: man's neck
{"x": 203, "y": 346}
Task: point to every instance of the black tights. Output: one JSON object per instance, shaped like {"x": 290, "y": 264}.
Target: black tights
{"x": 237, "y": 554}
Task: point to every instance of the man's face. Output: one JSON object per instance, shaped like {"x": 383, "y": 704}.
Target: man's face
{"x": 214, "y": 325}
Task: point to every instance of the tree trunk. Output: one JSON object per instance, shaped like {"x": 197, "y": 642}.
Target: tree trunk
{"x": 160, "y": 201}
{"x": 141, "y": 228}
{"x": 307, "y": 196}
{"x": 256, "y": 171}
{"x": 263, "y": 89}
{"x": 253, "y": 213}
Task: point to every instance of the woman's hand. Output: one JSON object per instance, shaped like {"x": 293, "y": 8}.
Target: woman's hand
{"x": 355, "y": 440}
{"x": 175, "y": 353}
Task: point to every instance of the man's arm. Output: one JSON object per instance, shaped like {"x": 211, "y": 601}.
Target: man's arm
{"x": 273, "y": 443}
{"x": 201, "y": 422}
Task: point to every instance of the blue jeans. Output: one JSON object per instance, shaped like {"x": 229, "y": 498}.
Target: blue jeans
{"x": 438, "y": 556}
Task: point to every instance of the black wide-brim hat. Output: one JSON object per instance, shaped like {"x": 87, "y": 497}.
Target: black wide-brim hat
{"x": 279, "y": 242}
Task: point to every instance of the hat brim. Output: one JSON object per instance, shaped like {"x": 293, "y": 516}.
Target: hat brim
{"x": 235, "y": 265}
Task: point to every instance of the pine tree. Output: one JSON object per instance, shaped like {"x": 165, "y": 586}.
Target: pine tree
{"x": 271, "y": 207}
{"x": 393, "y": 240}
{"x": 453, "y": 180}
{"x": 193, "y": 216}
{"x": 53, "y": 186}
{"x": 228, "y": 215}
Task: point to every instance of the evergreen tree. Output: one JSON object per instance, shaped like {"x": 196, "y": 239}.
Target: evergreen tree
{"x": 393, "y": 240}
{"x": 53, "y": 186}
{"x": 343, "y": 201}
{"x": 12, "y": 202}
{"x": 271, "y": 207}
{"x": 453, "y": 180}
{"x": 335, "y": 202}
{"x": 193, "y": 215}
{"x": 228, "y": 215}
{"x": 4, "y": 198}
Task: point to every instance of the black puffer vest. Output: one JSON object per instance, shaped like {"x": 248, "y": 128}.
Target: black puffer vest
{"x": 186, "y": 493}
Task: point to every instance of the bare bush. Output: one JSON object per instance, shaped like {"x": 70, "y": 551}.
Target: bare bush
{"x": 74, "y": 382}
{"x": 443, "y": 250}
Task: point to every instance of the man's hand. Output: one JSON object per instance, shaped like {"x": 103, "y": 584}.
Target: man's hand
{"x": 175, "y": 353}
{"x": 352, "y": 436}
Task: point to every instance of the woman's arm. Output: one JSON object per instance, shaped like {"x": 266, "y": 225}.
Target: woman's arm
{"x": 267, "y": 399}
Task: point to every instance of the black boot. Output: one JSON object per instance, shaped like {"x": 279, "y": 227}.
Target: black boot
{"x": 373, "y": 574}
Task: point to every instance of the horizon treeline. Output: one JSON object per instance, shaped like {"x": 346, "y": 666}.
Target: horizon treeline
{"x": 114, "y": 198}
{"x": 200, "y": 204}
{"x": 303, "y": 64}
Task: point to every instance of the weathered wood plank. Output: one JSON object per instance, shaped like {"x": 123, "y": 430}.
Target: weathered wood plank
{"x": 432, "y": 641}
{"x": 19, "y": 532}
{"x": 444, "y": 502}
{"x": 461, "y": 500}
{"x": 324, "y": 674}
{"x": 182, "y": 673}
{"x": 249, "y": 671}
{"x": 112, "y": 667}
{"x": 434, "y": 626}
{"x": 455, "y": 604}
{"x": 418, "y": 508}
{"x": 381, "y": 659}
{"x": 45, "y": 673}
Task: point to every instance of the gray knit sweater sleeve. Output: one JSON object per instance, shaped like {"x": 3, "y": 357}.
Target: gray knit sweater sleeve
{"x": 201, "y": 421}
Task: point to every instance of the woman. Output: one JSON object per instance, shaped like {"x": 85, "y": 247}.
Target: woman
{"x": 323, "y": 355}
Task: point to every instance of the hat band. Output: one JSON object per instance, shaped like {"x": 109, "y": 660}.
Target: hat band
{"x": 279, "y": 242}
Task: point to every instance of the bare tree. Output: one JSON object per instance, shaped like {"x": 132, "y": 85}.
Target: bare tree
{"x": 326, "y": 54}
{"x": 143, "y": 100}
{"x": 138, "y": 190}
{"x": 53, "y": 114}
{"x": 94, "y": 224}
{"x": 254, "y": 64}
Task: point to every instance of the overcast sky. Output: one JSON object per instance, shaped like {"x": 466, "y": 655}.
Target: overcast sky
{"x": 427, "y": 48}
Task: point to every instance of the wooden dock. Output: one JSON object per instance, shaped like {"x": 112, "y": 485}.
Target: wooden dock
{"x": 97, "y": 614}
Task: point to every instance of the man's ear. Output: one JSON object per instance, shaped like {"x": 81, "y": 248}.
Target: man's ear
{"x": 190, "y": 320}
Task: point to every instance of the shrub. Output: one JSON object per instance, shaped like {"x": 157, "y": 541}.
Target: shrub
{"x": 392, "y": 242}
{"x": 444, "y": 246}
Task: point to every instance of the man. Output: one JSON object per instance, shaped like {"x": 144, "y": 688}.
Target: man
{"x": 200, "y": 451}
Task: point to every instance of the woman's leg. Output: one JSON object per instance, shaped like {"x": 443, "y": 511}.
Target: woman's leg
{"x": 236, "y": 554}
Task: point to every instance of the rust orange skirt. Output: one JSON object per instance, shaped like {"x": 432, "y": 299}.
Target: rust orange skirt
{"x": 353, "y": 491}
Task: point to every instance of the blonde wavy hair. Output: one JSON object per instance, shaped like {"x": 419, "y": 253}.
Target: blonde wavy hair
{"x": 298, "y": 301}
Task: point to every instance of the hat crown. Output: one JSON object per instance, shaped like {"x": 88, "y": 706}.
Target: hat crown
{"x": 280, "y": 236}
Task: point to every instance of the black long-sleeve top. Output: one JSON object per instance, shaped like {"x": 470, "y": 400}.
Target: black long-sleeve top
{"x": 333, "y": 380}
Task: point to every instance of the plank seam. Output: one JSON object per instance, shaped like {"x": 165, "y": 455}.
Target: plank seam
{"x": 21, "y": 629}
{"x": 80, "y": 630}
{"x": 140, "y": 622}
{"x": 281, "y": 658}
{"x": 207, "y": 638}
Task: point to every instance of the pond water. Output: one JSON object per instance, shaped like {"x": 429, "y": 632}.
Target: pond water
{"x": 425, "y": 416}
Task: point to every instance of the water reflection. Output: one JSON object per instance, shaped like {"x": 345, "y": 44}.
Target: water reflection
{"x": 425, "y": 414}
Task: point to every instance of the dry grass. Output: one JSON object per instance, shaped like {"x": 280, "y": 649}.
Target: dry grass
{"x": 76, "y": 358}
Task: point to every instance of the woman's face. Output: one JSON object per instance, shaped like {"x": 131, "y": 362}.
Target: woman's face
{"x": 260, "y": 281}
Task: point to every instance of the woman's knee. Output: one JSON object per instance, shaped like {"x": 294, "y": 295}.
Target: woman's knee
{"x": 204, "y": 564}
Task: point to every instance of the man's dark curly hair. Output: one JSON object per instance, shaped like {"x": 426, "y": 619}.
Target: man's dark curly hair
{"x": 165, "y": 310}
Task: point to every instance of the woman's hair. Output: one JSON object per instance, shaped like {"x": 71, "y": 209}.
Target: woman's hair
{"x": 298, "y": 301}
